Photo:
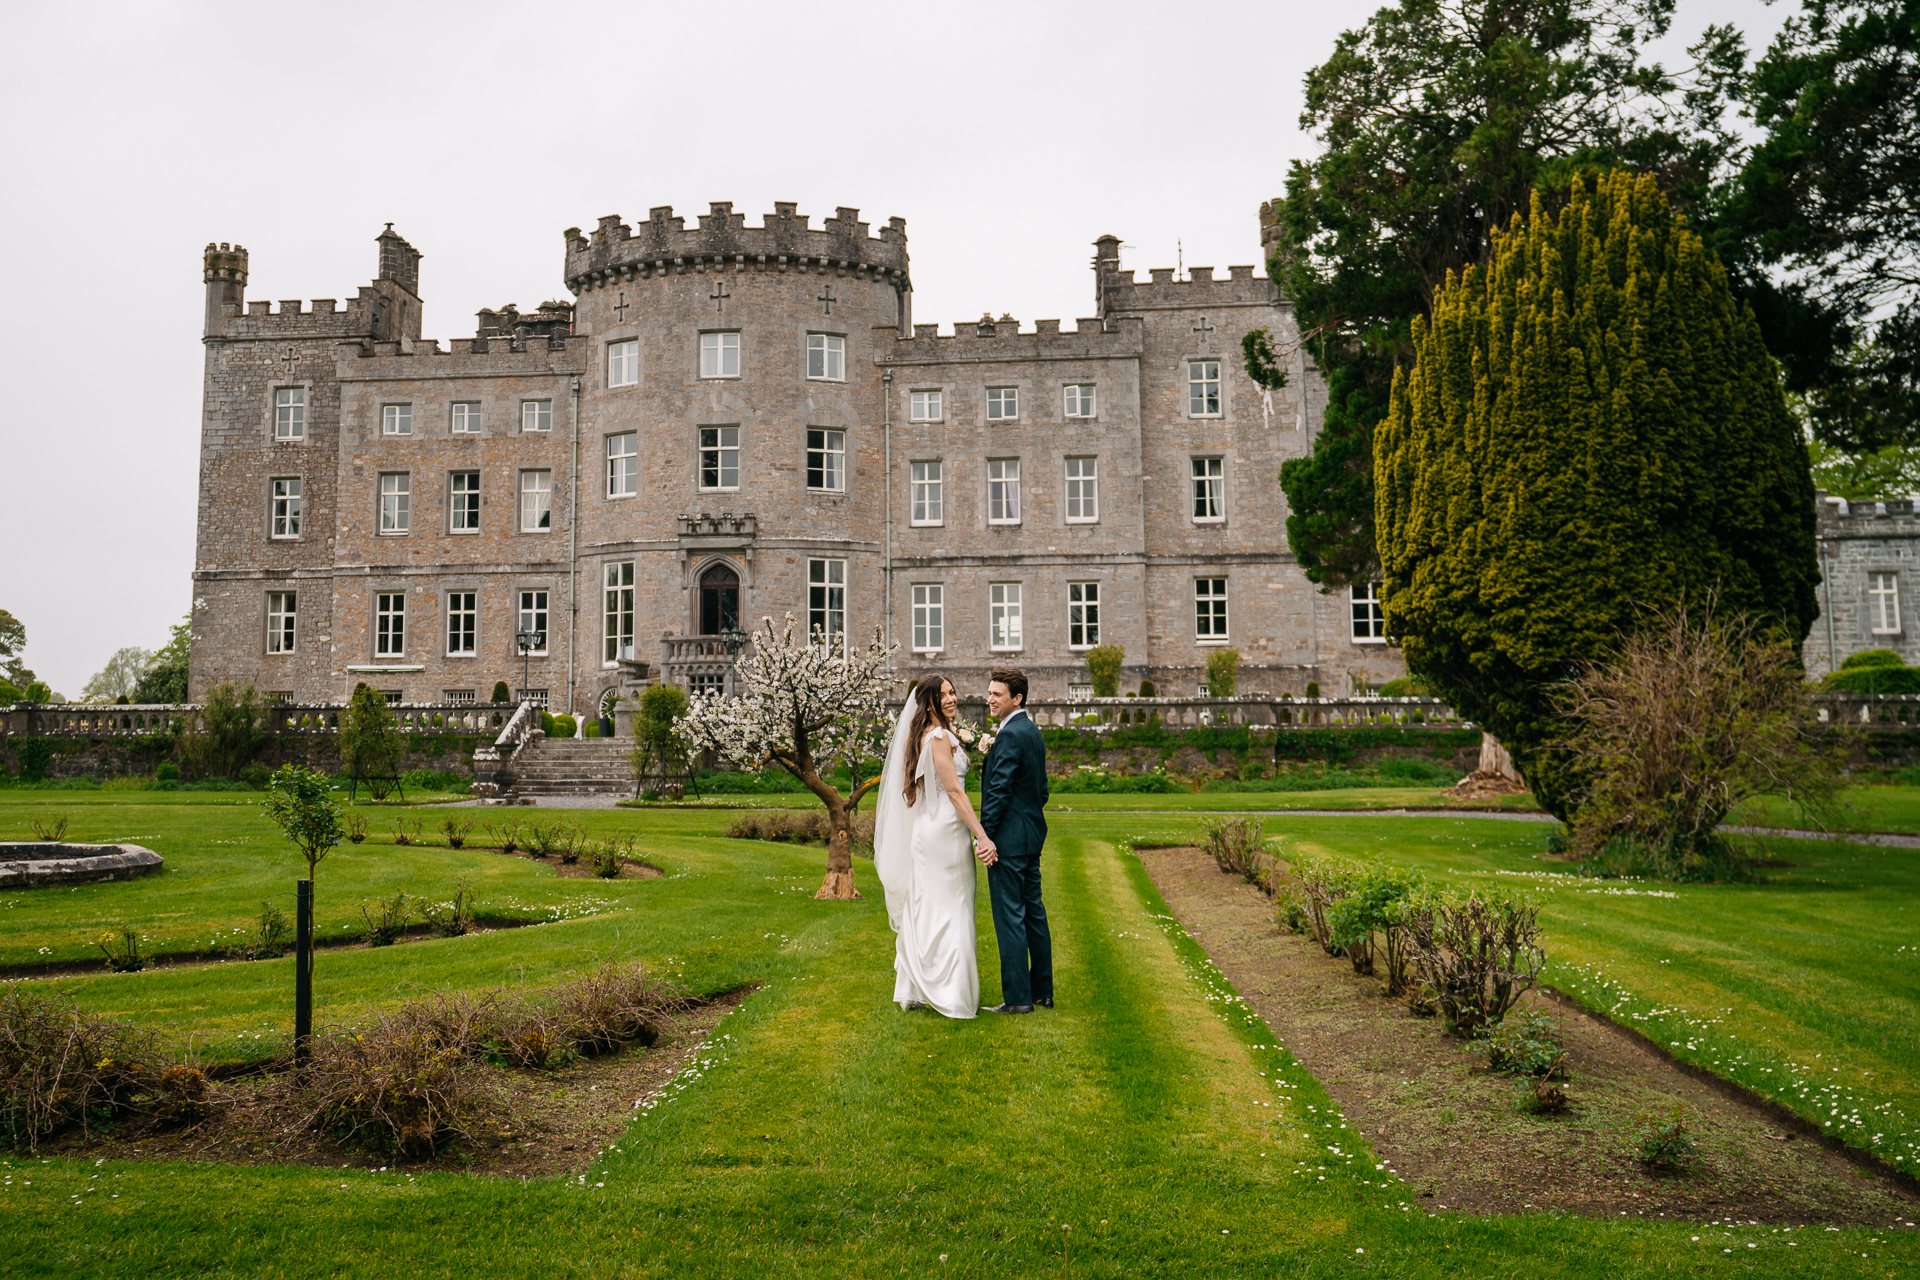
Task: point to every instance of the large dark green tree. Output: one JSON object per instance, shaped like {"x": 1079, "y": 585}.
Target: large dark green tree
{"x": 1593, "y": 430}
{"x": 1439, "y": 120}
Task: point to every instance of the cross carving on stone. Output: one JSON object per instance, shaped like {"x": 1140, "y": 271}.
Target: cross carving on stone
{"x": 720, "y": 295}
{"x": 620, "y": 311}
{"x": 1205, "y": 331}
{"x": 828, "y": 298}
{"x": 288, "y": 359}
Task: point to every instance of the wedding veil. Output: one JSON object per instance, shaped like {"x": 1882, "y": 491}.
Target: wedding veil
{"x": 893, "y": 819}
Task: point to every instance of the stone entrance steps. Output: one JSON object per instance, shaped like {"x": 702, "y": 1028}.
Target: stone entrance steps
{"x": 574, "y": 767}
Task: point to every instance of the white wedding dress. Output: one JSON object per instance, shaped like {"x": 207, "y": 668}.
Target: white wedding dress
{"x": 924, "y": 856}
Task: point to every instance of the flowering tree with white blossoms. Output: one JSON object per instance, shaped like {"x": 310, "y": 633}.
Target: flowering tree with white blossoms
{"x": 803, "y": 705}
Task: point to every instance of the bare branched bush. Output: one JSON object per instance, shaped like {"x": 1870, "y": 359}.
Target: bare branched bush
{"x": 1478, "y": 955}
{"x": 398, "y": 1083}
{"x": 614, "y": 1005}
{"x": 1237, "y": 847}
{"x": 801, "y": 826}
{"x": 1682, "y": 722}
{"x": 61, "y": 1066}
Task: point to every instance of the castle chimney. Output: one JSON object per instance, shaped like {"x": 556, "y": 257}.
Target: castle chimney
{"x": 226, "y": 277}
{"x": 1106, "y": 270}
{"x": 399, "y": 261}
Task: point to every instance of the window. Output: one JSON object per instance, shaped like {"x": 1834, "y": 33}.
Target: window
{"x": 466, "y": 419}
{"x": 463, "y": 619}
{"x": 281, "y": 697}
{"x": 826, "y": 460}
{"x": 719, "y": 355}
{"x": 1203, "y": 388}
{"x": 1369, "y": 615}
{"x": 286, "y": 507}
{"x": 1209, "y": 489}
{"x": 389, "y": 624}
{"x": 1003, "y": 491}
{"x": 290, "y": 413}
{"x": 1002, "y": 403}
{"x": 537, "y": 696}
{"x": 826, "y": 356}
{"x": 706, "y": 684}
{"x": 1210, "y": 610}
{"x": 923, "y": 406}
{"x": 533, "y": 618}
{"x": 619, "y": 608}
{"x": 929, "y": 618}
{"x": 923, "y": 484}
{"x": 1883, "y": 593}
{"x": 281, "y": 607}
{"x": 1083, "y": 615}
{"x": 464, "y": 502}
{"x": 396, "y": 502}
{"x": 1080, "y": 400}
{"x": 623, "y": 363}
{"x": 457, "y": 695}
{"x": 536, "y": 415}
{"x": 393, "y": 696}
{"x": 396, "y": 420}
{"x": 1003, "y": 615}
{"x": 1083, "y": 490}
{"x": 1080, "y": 692}
{"x": 623, "y": 465}
{"x": 536, "y": 501}
{"x": 827, "y": 600}
{"x": 719, "y": 457}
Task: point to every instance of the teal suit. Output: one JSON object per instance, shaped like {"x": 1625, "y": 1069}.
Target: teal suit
{"x": 1013, "y": 798}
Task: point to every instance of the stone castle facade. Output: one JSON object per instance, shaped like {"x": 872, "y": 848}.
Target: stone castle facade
{"x": 731, "y": 422}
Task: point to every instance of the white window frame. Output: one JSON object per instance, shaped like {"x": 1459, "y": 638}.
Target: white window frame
{"x": 926, "y": 493}
{"x": 827, "y": 357}
{"x": 1883, "y": 598}
{"x": 289, "y": 413}
{"x": 389, "y": 624}
{"x": 1211, "y": 610}
{"x": 465, "y": 418}
{"x": 1083, "y": 615}
{"x": 457, "y": 695}
{"x": 396, "y": 503}
{"x": 283, "y": 616}
{"x": 1078, "y": 400}
{"x": 536, "y": 416}
{"x": 1003, "y": 616}
{"x": 396, "y": 419}
{"x": 1083, "y": 490}
{"x": 929, "y": 617}
{"x": 623, "y": 464}
{"x": 1003, "y": 490}
{"x": 617, "y": 612}
{"x": 463, "y": 502}
{"x": 1209, "y": 489}
{"x": 463, "y": 624}
{"x": 288, "y": 505}
{"x": 623, "y": 363}
{"x": 536, "y": 500}
{"x": 926, "y": 406}
{"x": 720, "y": 354}
{"x": 1203, "y": 388}
{"x": 533, "y": 617}
{"x": 829, "y": 446}
{"x": 1003, "y": 404}
{"x": 722, "y": 444}
{"x": 827, "y": 601}
{"x": 1367, "y": 614}
{"x": 1080, "y": 692}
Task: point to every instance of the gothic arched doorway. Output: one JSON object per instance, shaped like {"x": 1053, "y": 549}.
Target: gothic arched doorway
{"x": 719, "y": 600}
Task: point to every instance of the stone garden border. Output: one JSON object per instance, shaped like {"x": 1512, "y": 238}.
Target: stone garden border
{"x": 31, "y": 864}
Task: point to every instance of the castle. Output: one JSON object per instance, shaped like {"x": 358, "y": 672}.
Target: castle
{"x": 732, "y": 422}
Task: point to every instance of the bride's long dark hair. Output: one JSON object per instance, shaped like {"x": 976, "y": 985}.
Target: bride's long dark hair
{"x": 928, "y": 714}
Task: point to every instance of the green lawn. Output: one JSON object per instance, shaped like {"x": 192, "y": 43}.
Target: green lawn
{"x": 1867, "y": 809}
{"x": 825, "y": 1133}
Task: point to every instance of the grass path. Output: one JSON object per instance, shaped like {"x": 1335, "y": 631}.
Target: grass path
{"x": 825, "y": 1133}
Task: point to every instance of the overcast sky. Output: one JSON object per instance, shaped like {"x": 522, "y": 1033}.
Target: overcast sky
{"x": 1007, "y": 135}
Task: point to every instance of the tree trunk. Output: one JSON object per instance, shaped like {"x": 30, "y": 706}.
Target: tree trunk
{"x": 838, "y": 883}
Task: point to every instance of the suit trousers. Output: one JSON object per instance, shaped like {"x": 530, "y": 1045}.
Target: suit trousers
{"x": 1020, "y": 924}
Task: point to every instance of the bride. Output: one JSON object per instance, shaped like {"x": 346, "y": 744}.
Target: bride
{"x": 920, "y": 853}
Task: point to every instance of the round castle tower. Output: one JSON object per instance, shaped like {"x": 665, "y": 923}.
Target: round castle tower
{"x": 730, "y": 437}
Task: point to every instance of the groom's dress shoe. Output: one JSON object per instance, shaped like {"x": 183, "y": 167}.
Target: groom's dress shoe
{"x": 1011, "y": 1008}
{"x": 1045, "y": 1002}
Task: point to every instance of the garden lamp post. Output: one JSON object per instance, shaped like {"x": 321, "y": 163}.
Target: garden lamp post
{"x": 528, "y": 642}
{"x": 735, "y": 639}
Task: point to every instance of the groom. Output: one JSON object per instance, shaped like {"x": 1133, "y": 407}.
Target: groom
{"x": 1013, "y": 794}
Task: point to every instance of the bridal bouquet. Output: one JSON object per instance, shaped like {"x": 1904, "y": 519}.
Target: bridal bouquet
{"x": 974, "y": 737}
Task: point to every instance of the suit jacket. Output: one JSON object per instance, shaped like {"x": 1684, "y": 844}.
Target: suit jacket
{"x": 1013, "y": 789}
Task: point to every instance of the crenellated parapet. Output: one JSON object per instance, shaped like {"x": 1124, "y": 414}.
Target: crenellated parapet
{"x": 1123, "y": 292}
{"x": 994, "y": 341}
{"x": 663, "y": 245}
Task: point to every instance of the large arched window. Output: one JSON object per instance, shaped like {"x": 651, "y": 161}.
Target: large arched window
{"x": 719, "y": 600}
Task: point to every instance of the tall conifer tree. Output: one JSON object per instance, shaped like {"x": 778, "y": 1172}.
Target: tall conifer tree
{"x": 1592, "y": 430}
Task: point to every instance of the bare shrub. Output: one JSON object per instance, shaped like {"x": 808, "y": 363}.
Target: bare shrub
{"x": 1686, "y": 719}
{"x": 613, "y": 1005}
{"x": 452, "y": 918}
{"x": 61, "y": 1066}
{"x": 387, "y": 926}
{"x": 271, "y": 937}
{"x": 398, "y": 1083}
{"x": 356, "y": 826}
{"x": 541, "y": 838}
{"x": 456, "y": 829}
{"x": 54, "y": 831}
{"x": 122, "y": 949}
{"x": 1478, "y": 954}
{"x": 178, "y": 1095}
{"x": 801, "y": 826}
{"x": 1237, "y": 848}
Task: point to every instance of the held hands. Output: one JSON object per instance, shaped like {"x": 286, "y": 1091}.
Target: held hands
{"x": 985, "y": 850}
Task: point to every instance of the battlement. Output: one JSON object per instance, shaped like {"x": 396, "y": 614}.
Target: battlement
{"x": 1867, "y": 517}
{"x": 1122, "y": 291}
{"x": 387, "y": 308}
{"x": 662, "y": 245}
{"x": 543, "y": 321}
{"x": 403, "y": 359}
{"x": 988, "y": 340}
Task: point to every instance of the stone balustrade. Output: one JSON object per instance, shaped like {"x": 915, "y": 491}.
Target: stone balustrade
{"x": 1255, "y": 710}
{"x": 104, "y": 720}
